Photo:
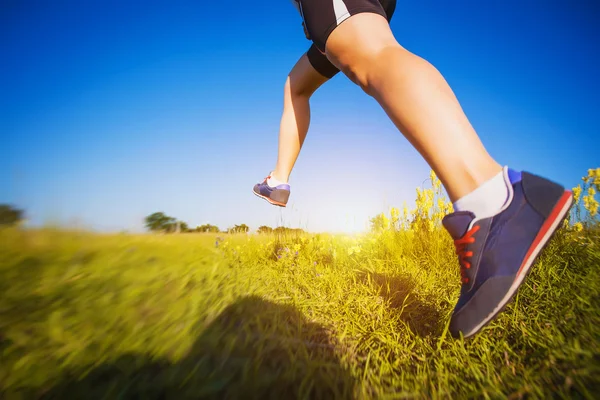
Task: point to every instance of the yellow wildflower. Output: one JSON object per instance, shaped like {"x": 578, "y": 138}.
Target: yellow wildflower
{"x": 595, "y": 174}
{"x": 394, "y": 213}
{"x": 590, "y": 203}
{"x": 430, "y": 225}
{"x": 353, "y": 250}
{"x": 576, "y": 193}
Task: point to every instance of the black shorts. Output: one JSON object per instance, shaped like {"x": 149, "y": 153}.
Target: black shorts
{"x": 321, "y": 17}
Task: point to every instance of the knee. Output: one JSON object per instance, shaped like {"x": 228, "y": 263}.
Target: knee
{"x": 296, "y": 90}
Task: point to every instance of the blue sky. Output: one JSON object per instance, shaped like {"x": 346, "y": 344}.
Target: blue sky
{"x": 110, "y": 110}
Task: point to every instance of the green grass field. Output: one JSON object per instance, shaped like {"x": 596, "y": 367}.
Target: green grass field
{"x": 315, "y": 316}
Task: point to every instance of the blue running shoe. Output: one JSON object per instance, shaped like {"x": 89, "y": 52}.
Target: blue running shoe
{"x": 277, "y": 195}
{"x": 496, "y": 253}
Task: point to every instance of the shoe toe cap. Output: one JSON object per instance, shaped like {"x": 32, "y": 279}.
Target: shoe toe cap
{"x": 482, "y": 305}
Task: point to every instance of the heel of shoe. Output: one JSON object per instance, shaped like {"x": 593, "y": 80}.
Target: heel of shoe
{"x": 541, "y": 193}
{"x": 280, "y": 196}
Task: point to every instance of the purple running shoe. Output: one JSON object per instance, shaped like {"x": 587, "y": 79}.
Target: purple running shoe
{"x": 496, "y": 253}
{"x": 277, "y": 195}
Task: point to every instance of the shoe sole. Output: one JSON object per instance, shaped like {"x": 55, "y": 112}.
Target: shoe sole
{"x": 275, "y": 203}
{"x": 546, "y": 232}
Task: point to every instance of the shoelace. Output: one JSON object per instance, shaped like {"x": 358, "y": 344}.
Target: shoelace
{"x": 461, "y": 250}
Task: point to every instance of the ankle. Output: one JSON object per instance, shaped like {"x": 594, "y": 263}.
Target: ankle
{"x": 487, "y": 199}
{"x": 279, "y": 177}
{"x": 466, "y": 181}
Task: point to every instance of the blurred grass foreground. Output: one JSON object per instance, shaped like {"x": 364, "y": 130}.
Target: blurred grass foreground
{"x": 282, "y": 316}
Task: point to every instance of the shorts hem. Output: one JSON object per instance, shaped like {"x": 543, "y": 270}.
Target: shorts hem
{"x": 345, "y": 17}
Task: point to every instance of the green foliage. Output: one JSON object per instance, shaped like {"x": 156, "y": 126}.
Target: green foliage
{"x": 308, "y": 316}
{"x": 264, "y": 229}
{"x": 287, "y": 315}
{"x": 282, "y": 230}
{"x": 159, "y": 222}
{"x": 208, "y": 228}
{"x": 183, "y": 227}
{"x": 10, "y": 215}
{"x": 431, "y": 205}
{"x": 243, "y": 228}
{"x": 379, "y": 223}
{"x": 585, "y": 209}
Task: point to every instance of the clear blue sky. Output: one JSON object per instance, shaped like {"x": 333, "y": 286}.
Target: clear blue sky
{"x": 111, "y": 110}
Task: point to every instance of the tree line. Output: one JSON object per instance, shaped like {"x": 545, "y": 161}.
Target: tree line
{"x": 160, "y": 222}
{"x": 156, "y": 222}
{"x": 10, "y": 215}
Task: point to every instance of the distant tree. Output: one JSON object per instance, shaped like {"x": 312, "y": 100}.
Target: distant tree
{"x": 183, "y": 227}
{"x": 208, "y": 228}
{"x": 243, "y": 228}
{"x": 286, "y": 230}
{"x": 160, "y": 222}
{"x": 10, "y": 215}
{"x": 264, "y": 229}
